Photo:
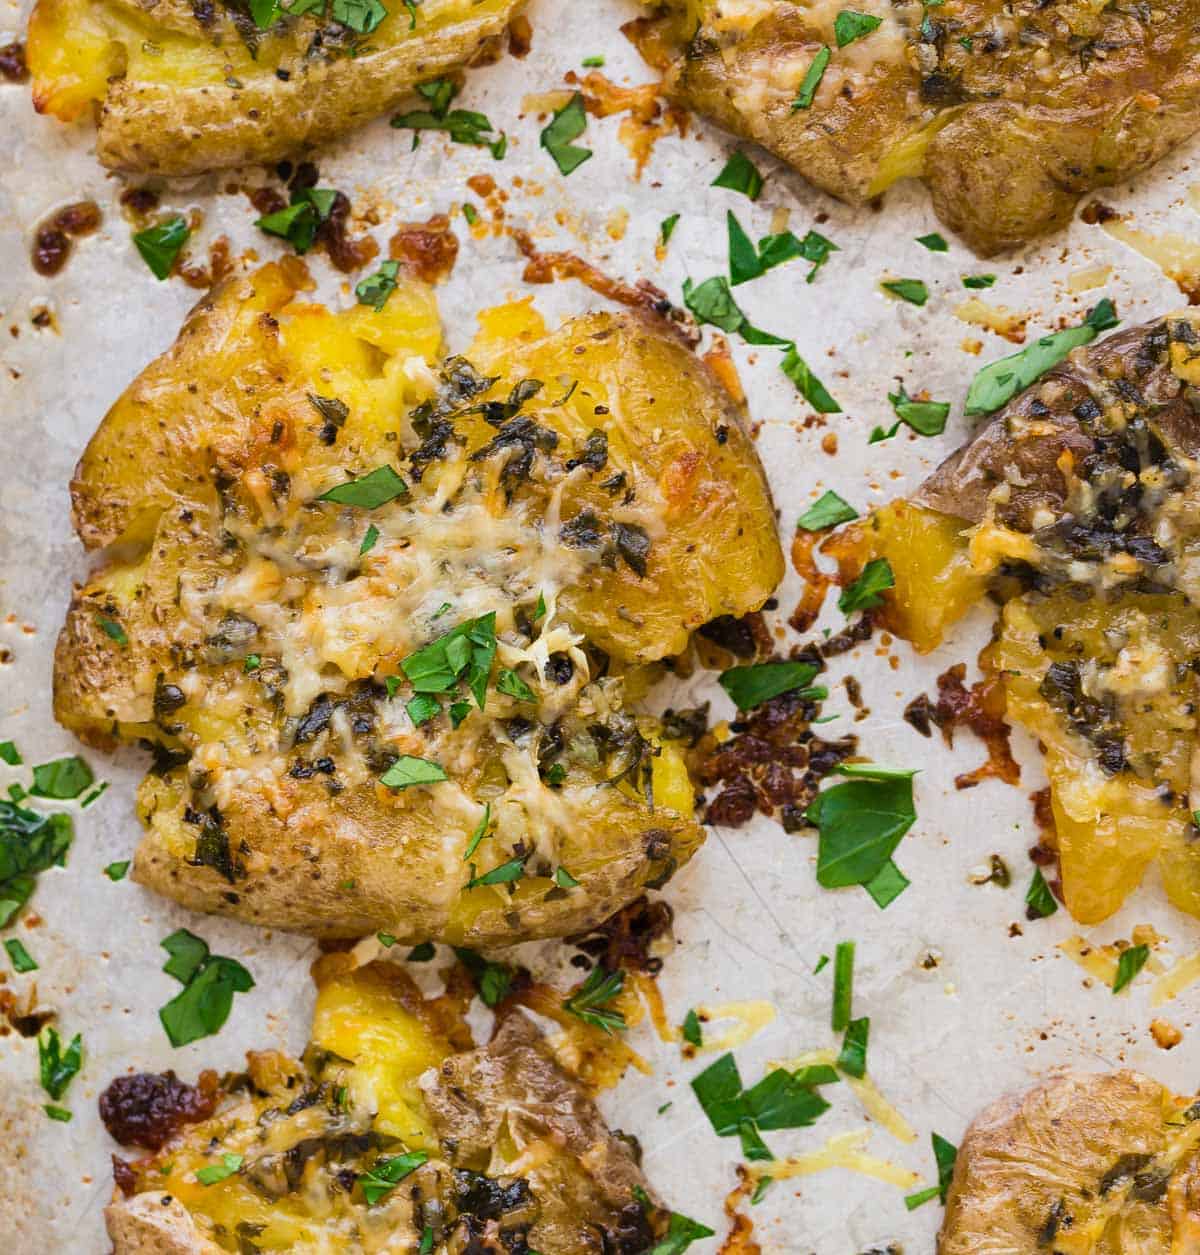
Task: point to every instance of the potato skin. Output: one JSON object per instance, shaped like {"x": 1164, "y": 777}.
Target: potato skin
{"x": 155, "y": 1224}
{"x": 186, "y": 124}
{"x": 1006, "y": 140}
{"x": 177, "y": 469}
{"x": 1052, "y": 1147}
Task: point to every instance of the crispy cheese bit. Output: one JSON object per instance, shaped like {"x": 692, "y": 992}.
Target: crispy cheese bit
{"x": 1101, "y": 961}
{"x": 863, "y": 1088}
{"x": 843, "y": 1150}
{"x": 1009, "y": 323}
{"x": 750, "y": 1018}
{"x": 1177, "y": 256}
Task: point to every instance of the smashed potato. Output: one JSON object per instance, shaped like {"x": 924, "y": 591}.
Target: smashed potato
{"x": 385, "y": 616}
{"x": 392, "y": 1134}
{"x": 1009, "y": 112}
{"x": 1085, "y": 1164}
{"x": 184, "y": 86}
{"x": 1077, "y": 505}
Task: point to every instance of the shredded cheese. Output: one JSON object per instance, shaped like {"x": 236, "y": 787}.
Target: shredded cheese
{"x": 842, "y": 1150}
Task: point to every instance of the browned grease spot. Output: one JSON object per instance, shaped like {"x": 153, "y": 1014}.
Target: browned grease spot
{"x": 23, "y": 1013}
{"x": 12, "y": 63}
{"x": 52, "y": 240}
{"x": 345, "y": 251}
{"x": 981, "y": 709}
{"x": 427, "y": 249}
{"x": 482, "y": 184}
{"x": 138, "y": 203}
{"x": 220, "y": 263}
{"x": 520, "y": 36}
{"x": 1165, "y": 1034}
{"x": 740, "y": 1239}
{"x": 546, "y": 267}
{"x": 650, "y": 118}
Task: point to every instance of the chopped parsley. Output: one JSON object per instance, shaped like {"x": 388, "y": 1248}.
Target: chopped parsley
{"x": 829, "y": 510}
{"x": 691, "y": 1031}
{"x": 465, "y": 652}
{"x": 934, "y": 242}
{"x": 385, "y": 1174}
{"x": 422, "y": 708}
{"x": 750, "y": 686}
{"x": 812, "y": 80}
{"x": 463, "y": 126}
{"x": 61, "y": 780}
{"x": 816, "y": 248}
{"x": 408, "y": 771}
{"x": 850, "y": 25}
{"x": 10, "y": 754}
{"x": 368, "y": 492}
{"x": 843, "y": 984}
{"x": 212, "y": 1173}
{"x": 587, "y": 1003}
{"x": 747, "y": 262}
{"x": 887, "y": 885}
{"x": 739, "y": 174}
{"x": 58, "y": 1067}
{"x": 116, "y": 871}
{"x": 859, "y": 824}
{"x": 61, "y": 1114}
{"x": 666, "y": 229}
{"x": 21, "y": 959}
{"x": 300, "y": 220}
{"x": 368, "y": 540}
{"x": 913, "y": 291}
{"x": 563, "y": 879}
{"x": 781, "y": 1100}
{"x": 492, "y": 980}
{"x": 209, "y": 982}
{"x": 265, "y": 13}
{"x": 161, "y": 245}
{"x": 865, "y": 592}
{"x": 1039, "y": 901}
{"x": 807, "y": 384}
{"x": 505, "y": 874}
{"x": 470, "y": 213}
{"x": 998, "y": 382}
{"x": 112, "y": 629}
{"x": 593, "y": 62}
{"x": 511, "y": 685}
{"x": 978, "y": 281}
{"x": 926, "y": 418}
{"x": 30, "y": 843}
{"x": 1131, "y": 962}
{"x": 567, "y": 124}
{"x": 944, "y": 1155}
{"x": 362, "y": 16}
{"x": 375, "y": 289}
{"x": 853, "y": 1057}
{"x": 481, "y": 831}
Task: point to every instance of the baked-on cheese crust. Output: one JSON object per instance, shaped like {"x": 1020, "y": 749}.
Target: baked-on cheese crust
{"x": 1077, "y": 505}
{"x": 185, "y": 86}
{"x": 567, "y": 508}
{"x": 1009, "y": 111}
{"x": 1085, "y": 1164}
{"x": 490, "y": 1148}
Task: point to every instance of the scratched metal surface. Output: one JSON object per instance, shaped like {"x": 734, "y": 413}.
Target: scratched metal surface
{"x": 990, "y": 1011}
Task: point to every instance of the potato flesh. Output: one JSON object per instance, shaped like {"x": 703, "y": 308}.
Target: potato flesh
{"x": 988, "y": 102}
{"x": 325, "y": 622}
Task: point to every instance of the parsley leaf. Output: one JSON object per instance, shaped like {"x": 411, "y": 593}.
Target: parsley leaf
{"x": 30, "y": 843}
{"x": 161, "y": 245}
{"x": 1039, "y": 901}
{"x": 944, "y": 1154}
{"x": 567, "y": 124}
{"x": 265, "y": 13}
{"x": 978, "y": 281}
{"x": 827, "y": 511}
{"x": 22, "y": 960}
{"x": 747, "y": 262}
{"x": 422, "y": 708}
{"x": 209, "y": 983}
{"x": 667, "y": 229}
{"x": 887, "y": 885}
{"x": 10, "y": 754}
{"x": 808, "y": 385}
{"x": 466, "y": 651}
{"x": 493, "y": 980}
{"x": 859, "y": 824}
{"x": 913, "y": 291}
{"x": 1000, "y": 381}
{"x": 865, "y": 592}
{"x": 112, "y": 629}
{"x": 370, "y": 491}
{"x": 368, "y": 540}
{"x": 62, "y": 779}
{"x": 116, "y": 871}
{"x": 739, "y": 174}
{"x": 1131, "y": 962}
{"x": 505, "y": 874}
{"x": 375, "y": 289}
{"x": 850, "y": 25}
{"x": 510, "y": 683}
{"x": 691, "y": 1031}
{"x": 299, "y": 221}
{"x": 385, "y": 1174}
{"x": 812, "y": 80}
{"x": 563, "y": 878}
{"x": 853, "y": 1057}
{"x": 362, "y": 16}
{"x": 464, "y": 126}
{"x": 926, "y": 418}
{"x": 212, "y": 1173}
{"x": 408, "y": 770}
{"x": 843, "y": 984}
{"x": 816, "y": 248}
{"x": 481, "y": 831}
{"x": 681, "y": 1233}
{"x": 587, "y": 1002}
{"x": 934, "y": 242}
{"x": 57, "y": 1067}
{"x": 750, "y": 686}
{"x": 61, "y": 1114}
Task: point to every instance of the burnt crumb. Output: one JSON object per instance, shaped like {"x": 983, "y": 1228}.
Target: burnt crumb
{"x": 979, "y": 708}
{"x": 625, "y": 939}
{"x": 148, "y": 1108}
{"x": 124, "y": 1177}
{"x": 746, "y": 637}
{"x": 918, "y": 714}
{"x": 13, "y": 68}
{"x": 1097, "y": 211}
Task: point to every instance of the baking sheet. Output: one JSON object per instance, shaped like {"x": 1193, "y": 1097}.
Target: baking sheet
{"x": 962, "y": 1006}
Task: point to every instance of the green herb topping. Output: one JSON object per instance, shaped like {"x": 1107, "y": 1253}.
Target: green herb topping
{"x": 567, "y": 124}
{"x": 162, "y": 244}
